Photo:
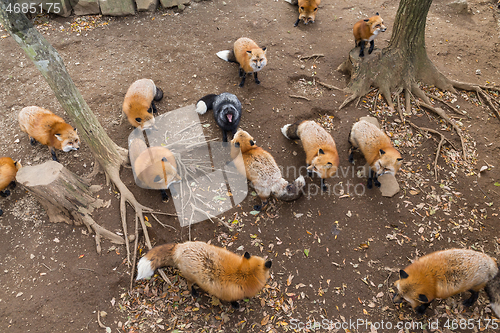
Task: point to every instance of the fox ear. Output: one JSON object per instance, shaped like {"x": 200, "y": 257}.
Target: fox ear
{"x": 403, "y": 274}
{"x": 75, "y": 129}
{"x": 58, "y": 136}
{"x": 247, "y": 255}
{"x": 399, "y": 159}
{"x": 329, "y": 165}
{"x": 164, "y": 159}
{"x": 310, "y": 167}
{"x": 376, "y": 14}
{"x": 381, "y": 152}
{"x": 366, "y": 20}
{"x": 321, "y": 152}
{"x": 423, "y": 298}
{"x": 268, "y": 264}
{"x": 252, "y": 143}
{"x": 264, "y": 49}
{"x": 237, "y": 144}
{"x": 249, "y": 53}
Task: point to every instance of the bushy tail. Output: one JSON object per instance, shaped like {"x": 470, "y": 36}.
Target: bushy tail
{"x": 205, "y": 103}
{"x": 159, "y": 256}
{"x": 290, "y": 191}
{"x": 158, "y": 94}
{"x": 290, "y": 131}
{"x": 227, "y": 55}
{"x": 493, "y": 291}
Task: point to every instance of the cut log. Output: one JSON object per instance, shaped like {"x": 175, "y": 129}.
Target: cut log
{"x": 65, "y": 197}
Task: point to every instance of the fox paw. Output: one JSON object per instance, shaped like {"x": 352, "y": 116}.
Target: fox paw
{"x": 377, "y": 183}
{"x": 5, "y": 193}
{"x": 1, "y": 212}
{"x": 257, "y": 207}
{"x": 194, "y": 292}
{"x": 235, "y": 305}
{"x": 369, "y": 184}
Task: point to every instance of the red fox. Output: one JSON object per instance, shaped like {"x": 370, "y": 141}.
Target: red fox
{"x": 321, "y": 152}
{"x": 155, "y": 167}
{"x": 8, "y": 171}
{"x": 139, "y": 106}
{"x": 445, "y": 273}
{"x": 249, "y": 55}
{"x": 307, "y": 10}
{"x": 215, "y": 270}
{"x": 377, "y": 148}
{"x": 261, "y": 170}
{"x": 366, "y": 30}
{"x": 48, "y": 129}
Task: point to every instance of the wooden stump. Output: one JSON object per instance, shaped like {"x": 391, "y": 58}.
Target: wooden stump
{"x": 65, "y": 197}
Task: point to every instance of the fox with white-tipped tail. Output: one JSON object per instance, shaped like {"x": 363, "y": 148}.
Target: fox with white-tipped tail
{"x": 248, "y": 55}
{"x": 227, "y": 111}
{"x": 261, "y": 170}
{"x": 219, "y": 272}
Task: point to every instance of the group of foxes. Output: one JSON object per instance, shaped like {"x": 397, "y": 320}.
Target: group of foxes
{"x": 220, "y": 272}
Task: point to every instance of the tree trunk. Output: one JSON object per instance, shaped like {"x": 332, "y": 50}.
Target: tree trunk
{"x": 64, "y": 196}
{"x": 402, "y": 63}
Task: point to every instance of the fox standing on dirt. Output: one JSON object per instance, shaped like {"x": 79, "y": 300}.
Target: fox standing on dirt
{"x": 48, "y": 129}
{"x": 227, "y": 111}
{"x": 139, "y": 106}
{"x": 446, "y": 273}
{"x": 248, "y": 55}
{"x": 321, "y": 152}
{"x": 307, "y": 10}
{"x": 261, "y": 170}
{"x": 377, "y": 149}
{"x": 155, "y": 167}
{"x": 215, "y": 270}
{"x": 366, "y": 30}
{"x": 8, "y": 171}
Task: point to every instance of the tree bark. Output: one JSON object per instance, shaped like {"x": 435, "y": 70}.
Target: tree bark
{"x": 65, "y": 197}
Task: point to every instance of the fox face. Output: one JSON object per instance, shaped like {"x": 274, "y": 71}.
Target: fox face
{"x": 411, "y": 290}
{"x": 69, "y": 139}
{"x": 257, "y": 58}
{"x": 243, "y": 140}
{"x": 387, "y": 163}
{"x": 144, "y": 121}
{"x": 323, "y": 165}
{"x": 308, "y": 10}
{"x": 376, "y": 24}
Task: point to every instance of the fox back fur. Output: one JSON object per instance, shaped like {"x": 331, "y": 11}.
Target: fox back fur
{"x": 219, "y": 272}
{"x": 445, "y": 273}
{"x": 322, "y": 157}
{"x": 138, "y": 104}
{"x": 261, "y": 170}
{"x": 227, "y": 111}
{"x": 377, "y": 149}
{"x": 45, "y": 127}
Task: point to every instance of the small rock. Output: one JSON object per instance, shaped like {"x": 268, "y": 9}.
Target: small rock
{"x": 478, "y": 72}
{"x": 460, "y": 6}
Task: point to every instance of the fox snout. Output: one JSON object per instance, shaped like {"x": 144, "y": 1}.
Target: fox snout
{"x": 397, "y": 299}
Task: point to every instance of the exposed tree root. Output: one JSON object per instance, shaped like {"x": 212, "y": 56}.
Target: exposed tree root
{"x": 443, "y": 138}
{"x": 316, "y": 56}
{"x": 299, "y": 97}
{"x": 329, "y": 86}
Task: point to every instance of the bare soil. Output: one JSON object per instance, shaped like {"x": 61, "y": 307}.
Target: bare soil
{"x": 335, "y": 254}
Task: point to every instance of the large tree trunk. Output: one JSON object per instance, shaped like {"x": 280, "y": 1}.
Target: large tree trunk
{"x": 402, "y": 63}
{"x": 109, "y": 155}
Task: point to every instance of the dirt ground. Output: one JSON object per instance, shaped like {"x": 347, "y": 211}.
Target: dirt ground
{"x": 335, "y": 254}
